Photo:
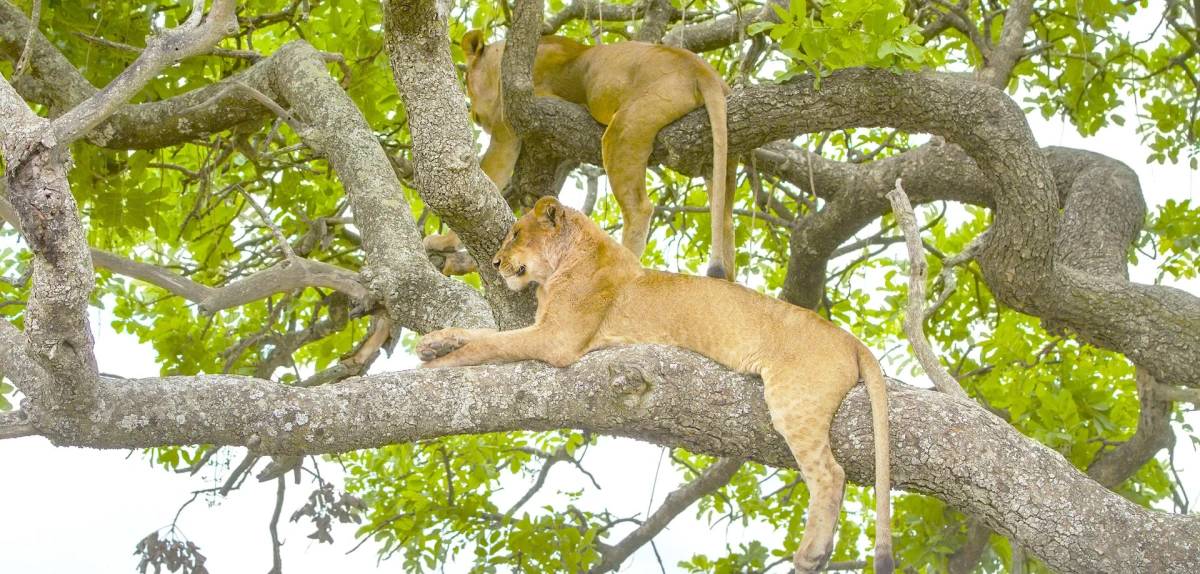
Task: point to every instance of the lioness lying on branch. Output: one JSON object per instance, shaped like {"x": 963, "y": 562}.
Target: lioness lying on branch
{"x": 635, "y": 89}
{"x": 594, "y": 293}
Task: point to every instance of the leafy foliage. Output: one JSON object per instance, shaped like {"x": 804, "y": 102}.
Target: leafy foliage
{"x": 845, "y": 34}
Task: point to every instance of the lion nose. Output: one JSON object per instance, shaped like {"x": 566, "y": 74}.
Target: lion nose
{"x": 496, "y": 262}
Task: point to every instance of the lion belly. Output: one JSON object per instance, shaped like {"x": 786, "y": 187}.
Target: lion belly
{"x": 723, "y": 321}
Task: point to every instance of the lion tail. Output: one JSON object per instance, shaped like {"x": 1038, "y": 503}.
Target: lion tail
{"x": 872, "y": 375}
{"x": 712, "y": 90}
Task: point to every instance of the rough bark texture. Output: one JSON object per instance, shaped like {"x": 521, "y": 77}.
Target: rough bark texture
{"x": 1067, "y": 267}
{"x": 447, "y": 171}
{"x": 417, "y": 295}
{"x": 947, "y": 448}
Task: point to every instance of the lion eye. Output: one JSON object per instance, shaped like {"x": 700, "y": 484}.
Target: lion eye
{"x": 515, "y": 233}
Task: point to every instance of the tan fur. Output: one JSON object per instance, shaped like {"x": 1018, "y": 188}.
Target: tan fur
{"x": 635, "y": 89}
{"x": 593, "y": 293}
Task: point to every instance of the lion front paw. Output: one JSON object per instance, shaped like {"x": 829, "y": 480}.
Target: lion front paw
{"x": 440, "y": 343}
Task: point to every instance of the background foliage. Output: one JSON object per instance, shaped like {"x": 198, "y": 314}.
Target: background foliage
{"x": 424, "y": 504}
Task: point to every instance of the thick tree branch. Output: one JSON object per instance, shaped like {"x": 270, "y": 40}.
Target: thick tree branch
{"x": 962, "y": 455}
{"x": 448, "y": 174}
{"x": 967, "y": 557}
{"x": 654, "y": 25}
{"x": 516, "y": 68}
{"x": 711, "y": 480}
{"x": 15, "y": 424}
{"x": 600, "y": 11}
{"x": 57, "y": 335}
{"x": 416, "y": 295}
{"x": 1153, "y": 434}
{"x": 1068, "y": 269}
{"x": 15, "y": 363}
{"x": 1178, "y": 394}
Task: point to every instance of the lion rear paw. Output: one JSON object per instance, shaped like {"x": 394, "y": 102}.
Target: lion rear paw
{"x": 810, "y": 564}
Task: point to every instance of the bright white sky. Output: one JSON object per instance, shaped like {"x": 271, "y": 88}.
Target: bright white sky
{"x": 74, "y": 510}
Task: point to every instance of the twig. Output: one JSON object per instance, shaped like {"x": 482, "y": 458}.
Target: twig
{"x": 914, "y": 318}
{"x": 947, "y": 275}
{"x": 199, "y": 464}
{"x": 559, "y": 455}
{"x": 23, "y": 61}
{"x": 249, "y": 55}
{"x": 709, "y": 481}
{"x": 276, "y": 560}
{"x": 593, "y": 187}
{"x": 241, "y": 469}
{"x": 266, "y": 217}
{"x": 773, "y": 220}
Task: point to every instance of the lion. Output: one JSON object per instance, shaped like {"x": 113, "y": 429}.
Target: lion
{"x": 593, "y": 293}
{"x": 635, "y": 89}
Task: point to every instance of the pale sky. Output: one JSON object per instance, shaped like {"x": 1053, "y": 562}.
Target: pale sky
{"x": 70, "y": 510}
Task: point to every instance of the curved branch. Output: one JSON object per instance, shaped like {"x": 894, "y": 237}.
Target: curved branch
{"x": 914, "y": 317}
{"x": 949, "y": 449}
{"x": 1068, "y": 269}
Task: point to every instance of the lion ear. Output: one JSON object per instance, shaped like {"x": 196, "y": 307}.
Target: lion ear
{"x": 549, "y": 210}
{"x": 473, "y": 43}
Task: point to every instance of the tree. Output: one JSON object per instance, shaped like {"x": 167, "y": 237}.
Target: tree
{"x": 250, "y": 190}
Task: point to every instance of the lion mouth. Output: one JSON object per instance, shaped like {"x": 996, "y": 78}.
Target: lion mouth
{"x": 521, "y": 271}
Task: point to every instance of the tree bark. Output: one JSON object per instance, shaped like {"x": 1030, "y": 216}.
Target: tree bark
{"x": 943, "y": 447}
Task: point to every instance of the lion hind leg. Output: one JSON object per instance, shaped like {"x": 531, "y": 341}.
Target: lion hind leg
{"x": 626, "y": 146}
{"x": 444, "y": 243}
{"x": 802, "y": 412}
{"x": 827, "y": 487}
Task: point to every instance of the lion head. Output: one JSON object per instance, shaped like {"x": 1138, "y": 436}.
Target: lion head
{"x": 483, "y": 80}
{"x": 532, "y": 248}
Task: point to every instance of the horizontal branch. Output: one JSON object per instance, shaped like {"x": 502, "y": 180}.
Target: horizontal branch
{"x": 721, "y": 32}
{"x": 284, "y": 277}
{"x": 15, "y": 425}
{"x": 943, "y": 447}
